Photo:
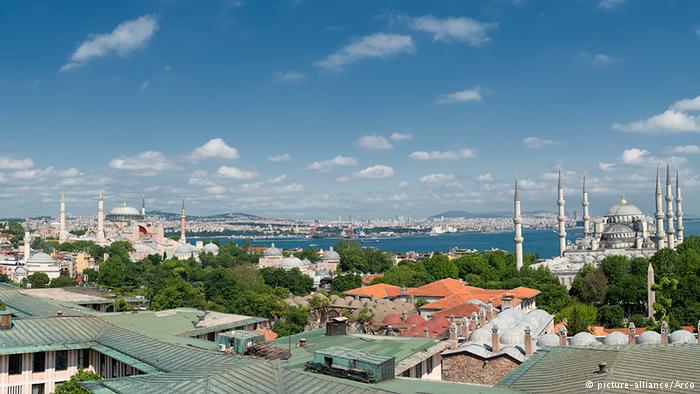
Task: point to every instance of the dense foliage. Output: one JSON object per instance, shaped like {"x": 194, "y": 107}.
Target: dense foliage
{"x": 72, "y": 387}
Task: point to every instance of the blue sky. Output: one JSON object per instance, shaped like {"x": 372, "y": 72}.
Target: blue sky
{"x": 289, "y": 107}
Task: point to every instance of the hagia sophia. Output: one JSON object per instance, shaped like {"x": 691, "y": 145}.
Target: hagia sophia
{"x": 624, "y": 231}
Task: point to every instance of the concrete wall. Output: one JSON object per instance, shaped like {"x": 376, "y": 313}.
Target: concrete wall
{"x": 467, "y": 368}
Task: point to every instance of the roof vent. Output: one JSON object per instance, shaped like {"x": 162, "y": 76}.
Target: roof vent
{"x": 59, "y": 313}
{"x": 5, "y": 321}
{"x": 221, "y": 347}
{"x": 603, "y": 368}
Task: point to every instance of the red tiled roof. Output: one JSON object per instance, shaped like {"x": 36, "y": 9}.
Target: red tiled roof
{"x": 392, "y": 318}
{"x": 484, "y": 295}
{"x": 524, "y": 292}
{"x": 690, "y": 329}
{"x": 380, "y": 290}
{"x": 368, "y": 278}
{"x": 435, "y": 326}
{"x": 269, "y": 335}
{"x": 601, "y": 331}
{"x": 462, "y": 310}
{"x": 414, "y": 319}
{"x": 439, "y": 288}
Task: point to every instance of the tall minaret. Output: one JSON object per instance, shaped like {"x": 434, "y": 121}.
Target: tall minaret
{"x": 651, "y": 294}
{"x": 679, "y": 210}
{"x": 62, "y": 234}
{"x": 183, "y": 216}
{"x": 670, "y": 232}
{"x": 517, "y": 222}
{"x": 143, "y": 206}
{"x": 100, "y": 236}
{"x": 561, "y": 217}
{"x": 586, "y": 217}
{"x": 27, "y": 246}
{"x": 660, "y": 241}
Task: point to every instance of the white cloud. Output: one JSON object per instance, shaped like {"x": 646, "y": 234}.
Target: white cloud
{"x": 144, "y": 85}
{"x": 214, "y": 149}
{"x": 535, "y": 142}
{"x": 7, "y": 163}
{"x": 398, "y": 197}
{"x": 461, "y": 96}
{"x": 676, "y": 119}
{"x": 437, "y": 178}
{"x": 684, "y": 149}
{"x": 443, "y": 155}
{"x": 236, "y": 173}
{"x": 278, "y": 179}
{"x": 149, "y": 162}
{"x": 249, "y": 187}
{"x": 290, "y": 76}
{"x": 644, "y": 158}
{"x": 378, "y": 45}
{"x": 216, "y": 190}
{"x": 343, "y": 179}
{"x": 485, "y": 177}
{"x": 610, "y": 4}
{"x": 71, "y": 172}
{"x": 396, "y": 136}
{"x": 200, "y": 178}
{"x": 449, "y": 29}
{"x": 280, "y": 158}
{"x": 126, "y": 37}
{"x": 697, "y": 31}
{"x": 376, "y": 172}
{"x": 634, "y": 156}
{"x": 603, "y": 60}
{"x": 403, "y": 184}
{"x": 334, "y": 162}
{"x": 292, "y": 188}
{"x": 606, "y": 167}
{"x": 36, "y": 173}
{"x": 373, "y": 142}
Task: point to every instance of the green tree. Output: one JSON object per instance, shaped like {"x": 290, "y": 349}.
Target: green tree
{"x": 352, "y": 259}
{"x": 611, "y": 316}
{"x": 405, "y": 275}
{"x": 311, "y": 254}
{"x": 342, "y": 283}
{"x": 38, "y": 280}
{"x": 441, "y": 267}
{"x": 291, "y": 320}
{"x": 294, "y": 280}
{"x": 63, "y": 281}
{"x": 376, "y": 261}
{"x": 594, "y": 286}
{"x": 478, "y": 268}
{"x": 17, "y": 231}
{"x": 664, "y": 297}
{"x": 72, "y": 387}
{"x": 120, "y": 305}
{"x": 90, "y": 275}
{"x": 119, "y": 272}
{"x": 579, "y": 316}
{"x": 178, "y": 293}
{"x": 421, "y": 302}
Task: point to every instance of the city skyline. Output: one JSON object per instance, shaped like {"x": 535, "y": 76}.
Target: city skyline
{"x": 298, "y": 109}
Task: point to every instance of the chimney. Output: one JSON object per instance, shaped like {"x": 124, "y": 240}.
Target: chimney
{"x": 465, "y": 328}
{"x": 453, "y": 332}
{"x": 404, "y": 291}
{"x": 528, "y": 341}
{"x": 603, "y": 367}
{"x": 490, "y": 311}
{"x": 506, "y": 301}
{"x": 664, "y": 333}
{"x": 495, "y": 344}
{"x": 426, "y": 332}
{"x": 59, "y": 313}
{"x": 5, "y": 321}
{"x": 562, "y": 337}
{"x": 302, "y": 343}
{"x": 472, "y": 323}
{"x": 404, "y": 315}
{"x": 482, "y": 317}
{"x": 631, "y": 334}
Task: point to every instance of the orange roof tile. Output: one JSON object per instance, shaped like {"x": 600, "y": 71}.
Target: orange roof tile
{"x": 690, "y": 329}
{"x": 487, "y": 296}
{"x": 439, "y": 288}
{"x": 269, "y": 335}
{"x": 524, "y": 292}
{"x": 463, "y": 310}
{"x": 380, "y": 290}
{"x": 624, "y": 330}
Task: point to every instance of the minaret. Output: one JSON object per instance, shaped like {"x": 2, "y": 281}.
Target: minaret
{"x": 62, "y": 234}
{"x": 517, "y": 222}
{"x": 670, "y": 232}
{"x": 561, "y": 217}
{"x": 143, "y": 206}
{"x": 183, "y": 216}
{"x": 679, "y": 210}
{"x": 660, "y": 241}
{"x": 100, "y": 236}
{"x": 586, "y": 217}
{"x": 27, "y": 246}
{"x": 651, "y": 294}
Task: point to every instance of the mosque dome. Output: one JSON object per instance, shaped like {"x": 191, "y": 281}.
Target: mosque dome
{"x": 291, "y": 262}
{"x": 330, "y": 254}
{"x": 272, "y": 251}
{"x": 615, "y": 338}
{"x": 480, "y": 335}
{"x": 211, "y": 248}
{"x": 583, "y": 339}
{"x": 648, "y": 337}
{"x": 40, "y": 258}
{"x": 124, "y": 213}
{"x": 549, "y": 339}
{"x": 514, "y": 336}
{"x": 21, "y": 271}
{"x": 185, "y": 249}
{"x": 681, "y": 336}
{"x": 624, "y": 209}
{"x": 618, "y": 231}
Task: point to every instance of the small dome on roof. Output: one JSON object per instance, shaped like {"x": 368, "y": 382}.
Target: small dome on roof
{"x": 648, "y": 337}
{"x": 583, "y": 339}
{"x": 185, "y": 249}
{"x": 615, "y": 338}
{"x": 272, "y": 251}
{"x": 40, "y": 258}
{"x": 392, "y": 318}
{"x": 211, "y": 248}
{"x": 414, "y": 319}
{"x": 330, "y": 254}
{"x": 549, "y": 339}
{"x": 21, "y": 271}
{"x": 681, "y": 336}
{"x": 624, "y": 209}
{"x": 480, "y": 335}
{"x": 514, "y": 336}
{"x": 125, "y": 210}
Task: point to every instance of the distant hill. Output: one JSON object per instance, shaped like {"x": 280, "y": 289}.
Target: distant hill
{"x": 470, "y": 215}
{"x": 231, "y": 216}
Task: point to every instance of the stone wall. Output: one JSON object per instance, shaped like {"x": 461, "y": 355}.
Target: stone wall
{"x": 468, "y": 368}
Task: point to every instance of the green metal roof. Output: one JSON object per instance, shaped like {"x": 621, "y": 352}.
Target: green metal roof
{"x": 240, "y": 334}
{"x": 351, "y": 354}
{"x": 25, "y": 305}
{"x": 53, "y": 333}
{"x": 568, "y": 369}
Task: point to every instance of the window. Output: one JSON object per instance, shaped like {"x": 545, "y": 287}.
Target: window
{"x": 211, "y": 336}
{"x": 15, "y": 367}
{"x": 419, "y": 370}
{"x": 84, "y": 358}
{"x": 62, "y": 360}
{"x": 38, "y": 364}
{"x": 429, "y": 364}
{"x": 406, "y": 373}
{"x": 14, "y": 390}
{"x": 38, "y": 388}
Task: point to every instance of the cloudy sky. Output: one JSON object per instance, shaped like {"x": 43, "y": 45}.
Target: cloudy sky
{"x": 368, "y": 108}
